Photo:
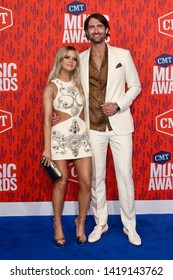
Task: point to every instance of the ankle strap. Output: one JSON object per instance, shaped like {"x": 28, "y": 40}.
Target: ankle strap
{"x": 81, "y": 218}
{"x": 57, "y": 220}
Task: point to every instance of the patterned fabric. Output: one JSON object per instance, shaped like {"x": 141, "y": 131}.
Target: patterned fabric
{"x": 70, "y": 138}
{"x": 97, "y": 92}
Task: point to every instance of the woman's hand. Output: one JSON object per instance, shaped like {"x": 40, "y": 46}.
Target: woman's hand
{"x": 46, "y": 158}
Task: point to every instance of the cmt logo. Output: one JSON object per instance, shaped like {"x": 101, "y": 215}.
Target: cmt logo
{"x": 76, "y": 8}
{"x": 164, "y": 122}
{"x": 72, "y": 172}
{"x": 166, "y": 24}
{"x": 5, "y": 121}
{"x": 164, "y": 60}
{"x": 161, "y": 157}
{"x": 6, "y": 18}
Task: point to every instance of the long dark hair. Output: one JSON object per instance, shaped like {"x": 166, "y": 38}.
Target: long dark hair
{"x": 100, "y": 18}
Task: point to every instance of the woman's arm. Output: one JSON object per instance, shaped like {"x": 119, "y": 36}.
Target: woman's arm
{"x": 48, "y": 97}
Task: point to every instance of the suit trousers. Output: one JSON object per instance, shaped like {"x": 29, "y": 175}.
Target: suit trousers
{"x": 121, "y": 147}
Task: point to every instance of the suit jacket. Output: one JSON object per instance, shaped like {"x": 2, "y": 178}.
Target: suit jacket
{"x": 123, "y": 86}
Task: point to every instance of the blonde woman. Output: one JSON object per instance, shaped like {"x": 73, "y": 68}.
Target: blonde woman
{"x": 68, "y": 139}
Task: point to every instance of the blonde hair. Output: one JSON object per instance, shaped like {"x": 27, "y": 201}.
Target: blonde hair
{"x": 58, "y": 64}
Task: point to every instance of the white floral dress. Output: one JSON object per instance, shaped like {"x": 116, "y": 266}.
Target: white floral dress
{"x": 70, "y": 138}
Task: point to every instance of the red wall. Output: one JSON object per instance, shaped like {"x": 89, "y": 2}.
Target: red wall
{"x": 31, "y": 32}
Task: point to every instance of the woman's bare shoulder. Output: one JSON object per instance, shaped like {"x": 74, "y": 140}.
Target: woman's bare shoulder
{"x": 51, "y": 88}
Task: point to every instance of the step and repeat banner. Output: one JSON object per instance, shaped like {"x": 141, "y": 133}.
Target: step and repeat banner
{"x": 31, "y": 32}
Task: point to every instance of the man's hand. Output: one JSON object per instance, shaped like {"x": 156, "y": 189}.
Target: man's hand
{"x": 55, "y": 119}
{"x": 109, "y": 108}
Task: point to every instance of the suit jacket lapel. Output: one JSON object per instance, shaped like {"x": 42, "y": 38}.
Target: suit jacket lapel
{"x": 113, "y": 60}
{"x": 85, "y": 72}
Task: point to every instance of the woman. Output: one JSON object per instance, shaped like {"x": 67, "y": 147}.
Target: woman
{"x": 69, "y": 139}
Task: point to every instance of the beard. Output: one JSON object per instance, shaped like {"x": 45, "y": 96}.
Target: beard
{"x": 97, "y": 40}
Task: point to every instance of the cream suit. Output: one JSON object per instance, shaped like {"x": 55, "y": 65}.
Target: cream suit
{"x": 123, "y": 86}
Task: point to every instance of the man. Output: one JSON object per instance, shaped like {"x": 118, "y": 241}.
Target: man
{"x": 110, "y": 83}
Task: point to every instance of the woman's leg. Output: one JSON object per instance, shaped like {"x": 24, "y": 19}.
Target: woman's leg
{"x": 84, "y": 171}
{"x": 58, "y": 194}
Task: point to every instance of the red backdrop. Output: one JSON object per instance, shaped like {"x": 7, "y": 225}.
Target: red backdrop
{"x": 31, "y": 32}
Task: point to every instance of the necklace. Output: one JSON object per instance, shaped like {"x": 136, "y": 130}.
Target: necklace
{"x": 98, "y": 59}
{"x": 98, "y": 64}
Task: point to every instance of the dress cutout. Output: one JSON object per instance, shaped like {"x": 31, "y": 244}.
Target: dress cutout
{"x": 70, "y": 138}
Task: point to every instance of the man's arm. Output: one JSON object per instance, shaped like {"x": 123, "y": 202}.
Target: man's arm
{"x": 110, "y": 108}
{"x": 133, "y": 84}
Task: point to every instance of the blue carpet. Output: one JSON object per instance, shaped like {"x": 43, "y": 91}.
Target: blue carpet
{"x": 31, "y": 238}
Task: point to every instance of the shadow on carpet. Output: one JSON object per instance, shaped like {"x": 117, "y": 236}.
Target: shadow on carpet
{"x": 31, "y": 238}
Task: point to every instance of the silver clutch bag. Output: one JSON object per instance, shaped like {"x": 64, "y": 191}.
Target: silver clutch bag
{"x": 52, "y": 171}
